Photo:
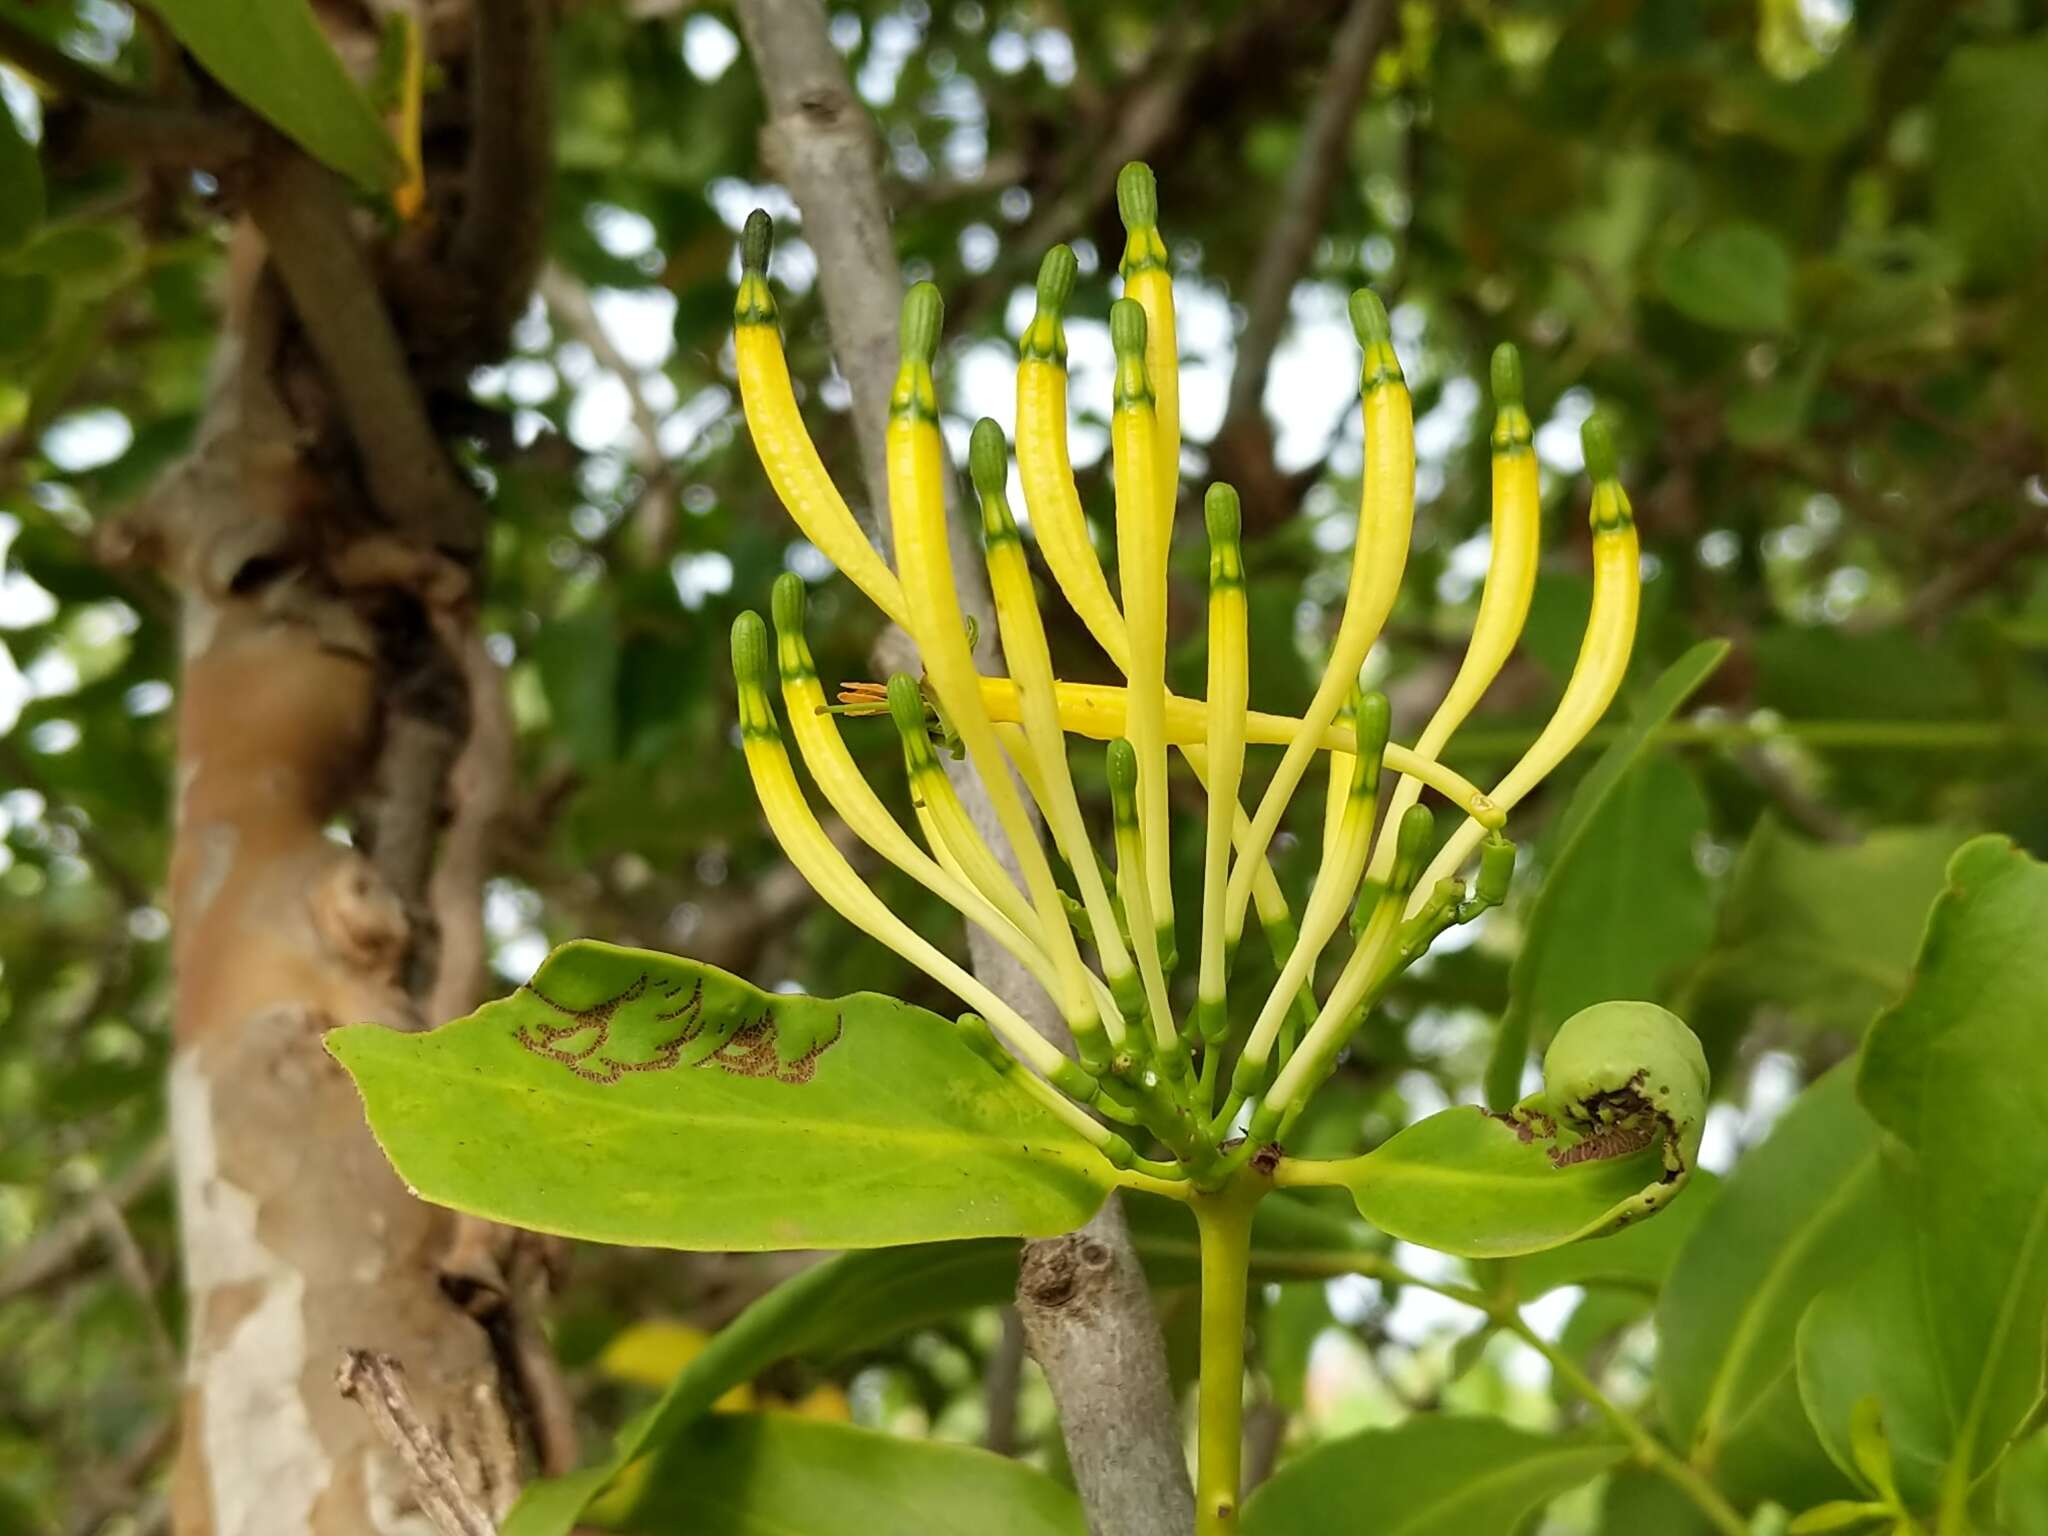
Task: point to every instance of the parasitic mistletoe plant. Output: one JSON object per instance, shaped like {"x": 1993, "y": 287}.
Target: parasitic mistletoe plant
{"x": 636, "y": 1097}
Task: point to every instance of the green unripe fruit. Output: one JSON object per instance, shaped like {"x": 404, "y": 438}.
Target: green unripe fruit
{"x": 1628, "y": 1072}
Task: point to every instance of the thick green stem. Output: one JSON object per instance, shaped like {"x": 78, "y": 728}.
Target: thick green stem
{"x": 1224, "y": 1220}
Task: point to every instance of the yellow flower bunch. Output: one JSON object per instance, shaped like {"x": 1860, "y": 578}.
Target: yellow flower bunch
{"x": 1101, "y": 940}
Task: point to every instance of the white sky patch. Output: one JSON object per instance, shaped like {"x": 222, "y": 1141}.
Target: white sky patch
{"x": 88, "y": 440}
{"x": 1557, "y": 440}
{"x": 680, "y": 431}
{"x": 622, "y": 232}
{"x": 1314, "y": 377}
{"x": 704, "y": 574}
{"x": 601, "y": 414}
{"x": 641, "y": 323}
{"x": 709, "y": 47}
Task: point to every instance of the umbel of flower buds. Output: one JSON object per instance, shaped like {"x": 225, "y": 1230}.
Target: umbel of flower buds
{"x": 1099, "y": 934}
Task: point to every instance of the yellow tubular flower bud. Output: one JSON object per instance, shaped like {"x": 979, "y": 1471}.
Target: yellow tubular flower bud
{"x": 1386, "y": 517}
{"x": 1603, "y": 653}
{"x": 1229, "y": 689}
{"x": 1030, "y": 660}
{"x": 956, "y": 842}
{"x": 1124, "y": 782}
{"x": 825, "y": 867}
{"x": 780, "y": 438}
{"x": 1047, "y": 470}
{"x": 1142, "y": 539}
{"x": 847, "y": 790}
{"x": 1329, "y": 899}
{"x": 1510, "y": 582}
{"x": 1148, "y": 278}
{"x": 1365, "y": 971}
{"x": 925, "y": 565}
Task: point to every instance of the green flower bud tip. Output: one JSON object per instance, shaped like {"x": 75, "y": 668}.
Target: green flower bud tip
{"x": 1123, "y": 769}
{"x": 1137, "y": 195}
{"x": 1369, "y": 319}
{"x": 923, "y": 312}
{"x": 749, "y": 650}
{"x": 756, "y": 241}
{"x": 786, "y": 604}
{"x": 1127, "y": 328}
{"x": 1496, "y": 870}
{"x": 1220, "y": 511}
{"x": 1373, "y": 720}
{"x": 906, "y": 705}
{"x": 1596, "y": 439}
{"x": 1411, "y": 844}
{"x": 1507, "y": 375}
{"x": 988, "y": 458}
{"x": 1056, "y": 279}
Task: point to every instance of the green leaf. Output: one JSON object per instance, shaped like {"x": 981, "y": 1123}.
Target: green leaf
{"x": 1822, "y": 934}
{"x": 1594, "y": 933}
{"x": 2023, "y": 1489}
{"x": 580, "y": 656}
{"x": 632, "y": 1097}
{"x": 1835, "y": 1515}
{"x": 1958, "y": 1071}
{"x": 1735, "y": 277}
{"x": 275, "y": 57}
{"x": 22, "y": 202}
{"x": 1796, "y": 1216}
{"x": 1867, "y": 1340}
{"x": 26, "y": 305}
{"x": 1431, "y": 1476}
{"x": 1990, "y": 173}
{"x": 1640, "y": 1503}
{"x": 1637, "y": 1258}
{"x": 858, "y": 1300}
{"x": 778, "y": 1474}
{"x": 1480, "y": 1186}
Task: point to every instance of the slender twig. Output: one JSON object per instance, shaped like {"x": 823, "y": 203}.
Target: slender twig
{"x": 1000, "y": 1381}
{"x": 1649, "y": 1450}
{"x": 653, "y": 516}
{"x": 376, "y": 1383}
{"x": 499, "y": 243}
{"x": 304, "y": 216}
{"x": 60, "y": 1252}
{"x": 1305, "y": 199}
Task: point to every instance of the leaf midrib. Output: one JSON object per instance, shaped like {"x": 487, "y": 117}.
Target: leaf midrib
{"x": 864, "y": 1132}
{"x": 1486, "y": 1480}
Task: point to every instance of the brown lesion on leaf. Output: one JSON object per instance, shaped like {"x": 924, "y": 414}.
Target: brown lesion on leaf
{"x": 591, "y": 1061}
{"x": 752, "y": 1052}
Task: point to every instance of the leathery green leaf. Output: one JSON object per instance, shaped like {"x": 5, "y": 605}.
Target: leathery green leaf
{"x": 275, "y": 57}
{"x": 1432, "y": 1476}
{"x": 1958, "y": 1071}
{"x": 631, "y": 1097}
{"x": 857, "y": 1300}
{"x": 1797, "y": 1215}
{"x": 1483, "y": 1186}
{"x": 773, "y": 1474}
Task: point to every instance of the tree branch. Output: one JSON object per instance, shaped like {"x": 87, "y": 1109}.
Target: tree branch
{"x": 1097, "y": 1337}
{"x": 304, "y": 217}
{"x": 1305, "y": 201}
{"x": 1244, "y": 443}
{"x": 503, "y": 232}
{"x": 60, "y": 1252}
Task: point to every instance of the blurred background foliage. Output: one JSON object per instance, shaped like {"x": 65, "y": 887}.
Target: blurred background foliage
{"x": 1798, "y": 248}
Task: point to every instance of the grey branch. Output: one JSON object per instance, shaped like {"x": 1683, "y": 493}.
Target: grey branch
{"x": 1305, "y": 200}
{"x": 1100, "y": 1343}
